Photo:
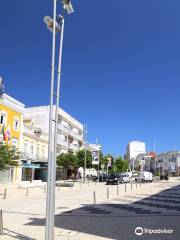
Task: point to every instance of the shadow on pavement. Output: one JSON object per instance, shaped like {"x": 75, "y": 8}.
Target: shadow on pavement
{"x": 119, "y": 220}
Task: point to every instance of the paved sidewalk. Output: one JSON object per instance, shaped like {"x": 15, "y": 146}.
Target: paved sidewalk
{"x": 24, "y": 216}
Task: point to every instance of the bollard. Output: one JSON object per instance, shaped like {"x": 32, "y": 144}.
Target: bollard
{"x": 27, "y": 191}
{"x": 125, "y": 187}
{"x": 117, "y": 190}
{"x": 1, "y": 223}
{"x": 94, "y": 197}
{"x": 131, "y": 185}
{"x": 107, "y": 193}
{"x": 5, "y": 193}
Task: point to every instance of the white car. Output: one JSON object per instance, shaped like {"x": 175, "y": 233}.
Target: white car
{"x": 145, "y": 177}
{"x": 124, "y": 177}
{"x": 132, "y": 175}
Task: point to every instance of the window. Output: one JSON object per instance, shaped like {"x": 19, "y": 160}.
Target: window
{"x": 16, "y": 124}
{"x": 15, "y": 143}
{"x": 31, "y": 149}
{"x": 37, "y": 151}
{"x": 3, "y": 118}
{"x": 25, "y": 147}
{"x": 43, "y": 152}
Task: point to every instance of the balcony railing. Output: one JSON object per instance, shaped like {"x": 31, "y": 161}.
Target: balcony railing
{"x": 70, "y": 132}
{"x": 62, "y": 142}
{"x": 34, "y": 158}
{"x": 74, "y": 147}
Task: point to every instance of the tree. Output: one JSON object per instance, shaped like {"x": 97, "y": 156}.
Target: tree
{"x": 108, "y": 161}
{"x": 80, "y": 156}
{"x": 121, "y": 165}
{"x": 8, "y": 156}
{"x": 103, "y": 159}
{"x": 66, "y": 160}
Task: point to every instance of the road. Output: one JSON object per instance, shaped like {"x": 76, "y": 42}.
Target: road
{"x": 118, "y": 219}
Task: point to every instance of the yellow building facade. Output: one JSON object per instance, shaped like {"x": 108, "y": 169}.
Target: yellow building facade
{"x": 11, "y": 122}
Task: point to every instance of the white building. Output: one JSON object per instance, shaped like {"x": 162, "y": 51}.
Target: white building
{"x": 34, "y": 150}
{"x": 70, "y": 130}
{"x": 168, "y": 162}
{"x": 94, "y": 147}
{"x": 133, "y": 149}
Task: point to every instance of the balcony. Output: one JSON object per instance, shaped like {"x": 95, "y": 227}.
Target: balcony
{"x": 61, "y": 142}
{"x": 33, "y": 158}
{"x": 70, "y": 132}
{"x": 73, "y": 147}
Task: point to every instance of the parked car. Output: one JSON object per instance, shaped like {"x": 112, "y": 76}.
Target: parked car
{"x": 113, "y": 179}
{"x": 124, "y": 177}
{"x": 103, "y": 177}
{"x": 132, "y": 175}
{"x": 92, "y": 177}
{"x": 164, "y": 177}
{"x": 144, "y": 177}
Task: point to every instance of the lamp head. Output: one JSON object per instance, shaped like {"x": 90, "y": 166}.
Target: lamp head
{"x": 68, "y": 6}
{"x": 49, "y": 22}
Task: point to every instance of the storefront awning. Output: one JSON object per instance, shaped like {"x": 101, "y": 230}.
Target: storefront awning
{"x": 27, "y": 165}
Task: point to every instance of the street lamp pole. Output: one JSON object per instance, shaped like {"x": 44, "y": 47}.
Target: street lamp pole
{"x": 61, "y": 20}
{"x": 50, "y": 201}
{"x": 53, "y": 25}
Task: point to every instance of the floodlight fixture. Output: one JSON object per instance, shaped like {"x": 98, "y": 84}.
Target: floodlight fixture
{"x": 49, "y": 22}
{"x": 68, "y": 6}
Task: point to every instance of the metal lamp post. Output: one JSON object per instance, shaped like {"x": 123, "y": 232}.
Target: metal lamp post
{"x": 85, "y": 151}
{"x": 55, "y": 25}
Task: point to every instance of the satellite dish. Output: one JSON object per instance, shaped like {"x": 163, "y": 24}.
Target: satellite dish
{"x": 49, "y": 22}
{"x": 1, "y": 81}
{"x": 1, "y": 86}
{"x": 38, "y": 132}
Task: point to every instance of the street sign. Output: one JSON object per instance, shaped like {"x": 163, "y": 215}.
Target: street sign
{"x": 95, "y": 158}
{"x": 102, "y": 166}
{"x": 109, "y": 161}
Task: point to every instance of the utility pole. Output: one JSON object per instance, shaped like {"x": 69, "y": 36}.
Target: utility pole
{"x": 114, "y": 160}
{"x": 154, "y": 144}
{"x": 98, "y": 157}
{"x": 107, "y": 166}
{"x": 85, "y": 151}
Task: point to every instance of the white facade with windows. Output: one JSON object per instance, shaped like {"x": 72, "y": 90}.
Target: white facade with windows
{"x": 94, "y": 147}
{"x": 133, "y": 149}
{"x": 34, "y": 151}
{"x": 35, "y": 141}
{"x": 70, "y": 131}
{"x": 168, "y": 162}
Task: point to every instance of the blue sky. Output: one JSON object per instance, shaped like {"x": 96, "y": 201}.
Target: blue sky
{"x": 121, "y": 66}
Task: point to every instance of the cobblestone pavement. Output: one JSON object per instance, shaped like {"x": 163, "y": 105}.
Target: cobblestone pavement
{"x": 151, "y": 205}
